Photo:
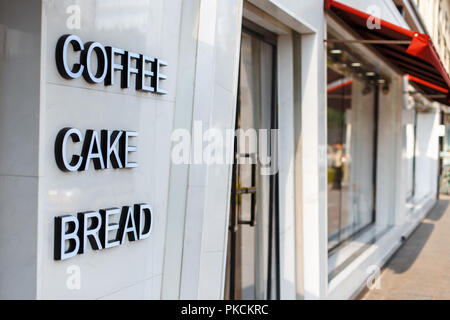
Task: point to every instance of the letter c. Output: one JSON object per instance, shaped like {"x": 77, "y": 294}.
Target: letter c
{"x": 61, "y": 153}
{"x": 61, "y": 56}
{"x": 264, "y": 309}
{"x": 240, "y": 309}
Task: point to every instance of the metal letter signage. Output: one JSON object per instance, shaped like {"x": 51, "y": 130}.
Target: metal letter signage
{"x": 106, "y": 149}
{"x": 95, "y": 226}
{"x": 148, "y": 73}
{"x": 109, "y": 149}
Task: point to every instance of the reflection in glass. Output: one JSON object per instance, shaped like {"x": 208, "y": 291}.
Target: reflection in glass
{"x": 351, "y": 125}
{"x": 251, "y": 261}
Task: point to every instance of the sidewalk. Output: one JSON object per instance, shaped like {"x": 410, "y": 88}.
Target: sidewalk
{"x": 420, "y": 269}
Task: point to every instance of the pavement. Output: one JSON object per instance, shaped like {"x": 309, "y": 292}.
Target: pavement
{"x": 420, "y": 269}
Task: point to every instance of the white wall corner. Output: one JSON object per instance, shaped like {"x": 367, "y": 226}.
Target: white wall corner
{"x": 286, "y": 166}
{"x": 314, "y": 124}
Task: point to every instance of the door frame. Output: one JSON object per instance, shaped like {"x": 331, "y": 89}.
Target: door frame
{"x": 270, "y": 38}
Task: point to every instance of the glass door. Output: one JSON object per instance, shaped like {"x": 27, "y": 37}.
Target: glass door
{"x": 253, "y": 254}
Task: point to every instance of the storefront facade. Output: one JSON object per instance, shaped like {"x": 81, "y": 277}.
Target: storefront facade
{"x": 125, "y": 84}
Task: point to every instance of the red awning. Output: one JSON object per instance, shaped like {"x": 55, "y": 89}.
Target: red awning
{"x": 336, "y": 85}
{"x": 430, "y": 90}
{"x": 410, "y": 52}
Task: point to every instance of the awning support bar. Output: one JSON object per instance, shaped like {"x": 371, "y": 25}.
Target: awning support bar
{"x": 427, "y": 95}
{"x": 368, "y": 41}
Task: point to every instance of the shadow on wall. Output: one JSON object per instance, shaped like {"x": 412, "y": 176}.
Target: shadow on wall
{"x": 408, "y": 253}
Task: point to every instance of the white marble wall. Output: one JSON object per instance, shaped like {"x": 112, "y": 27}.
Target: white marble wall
{"x": 20, "y": 23}
{"x": 132, "y": 270}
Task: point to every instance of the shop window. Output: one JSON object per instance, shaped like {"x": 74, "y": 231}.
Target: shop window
{"x": 352, "y": 116}
{"x": 410, "y": 155}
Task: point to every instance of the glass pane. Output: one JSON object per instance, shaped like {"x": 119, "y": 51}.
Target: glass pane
{"x": 254, "y": 113}
{"x": 409, "y": 155}
{"x": 350, "y": 143}
{"x": 248, "y": 106}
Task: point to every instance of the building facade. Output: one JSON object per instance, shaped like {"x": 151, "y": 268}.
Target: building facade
{"x": 435, "y": 15}
{"x": 435, "y": 18}
{"x": 341, "y": 169}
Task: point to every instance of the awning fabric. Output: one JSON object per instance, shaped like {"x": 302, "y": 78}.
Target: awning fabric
{"x": 336, "y": 85}
{"x": 418, "y": 59}
{"x": 430, "y": 90}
